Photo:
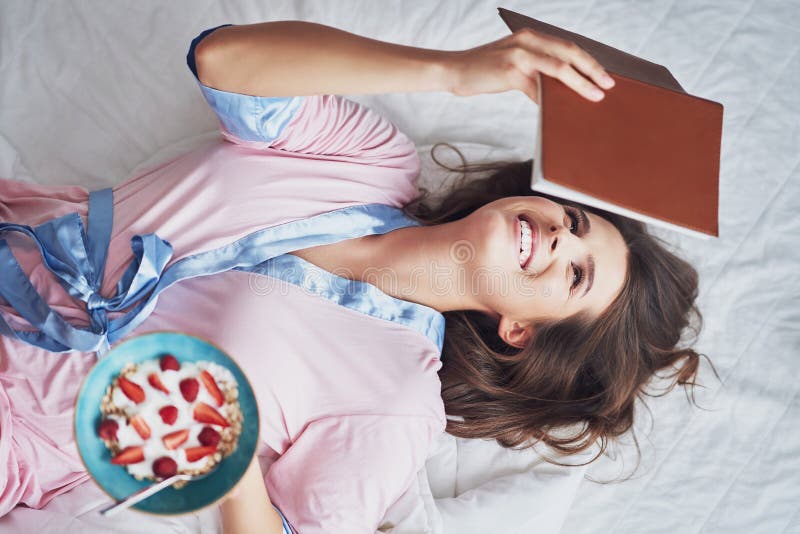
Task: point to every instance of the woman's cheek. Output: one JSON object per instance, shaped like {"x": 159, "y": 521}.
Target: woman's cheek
{"x": 528, "y": 287}
{"x": 546, "y": 287}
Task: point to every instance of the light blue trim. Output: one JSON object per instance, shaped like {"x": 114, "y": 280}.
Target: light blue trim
{"x": 287, "y": 529}
{"x": 76, "y": 259}
{"x": 252, "y": 118}
{"x": 356, "y": 295}
{"x": 258, "y": 247}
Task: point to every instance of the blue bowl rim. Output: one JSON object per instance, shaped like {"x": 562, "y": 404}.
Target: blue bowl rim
{"x": 75, "y": 421}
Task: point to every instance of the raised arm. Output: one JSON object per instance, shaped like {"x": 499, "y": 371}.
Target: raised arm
{"x": 293, "y": 58}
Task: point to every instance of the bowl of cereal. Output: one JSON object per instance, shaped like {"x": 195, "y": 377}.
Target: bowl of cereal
{"x": 162, "y": 404}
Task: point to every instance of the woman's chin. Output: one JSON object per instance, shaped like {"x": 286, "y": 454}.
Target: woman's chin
{"x": 496, "y": 240}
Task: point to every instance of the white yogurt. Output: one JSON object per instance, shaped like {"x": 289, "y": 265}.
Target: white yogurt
{"x": 156, "y": 399}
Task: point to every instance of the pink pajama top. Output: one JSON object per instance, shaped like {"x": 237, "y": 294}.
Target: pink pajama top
{"x": 345, "y": 375}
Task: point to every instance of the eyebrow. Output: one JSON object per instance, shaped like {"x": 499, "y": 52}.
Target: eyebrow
{"x": 586, "y": 222}
{"x": 590, "y": 259}
{"x": 589, "y": 274}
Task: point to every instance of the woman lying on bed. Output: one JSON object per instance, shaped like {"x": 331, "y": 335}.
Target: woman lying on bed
{"x": 359, "y": 324}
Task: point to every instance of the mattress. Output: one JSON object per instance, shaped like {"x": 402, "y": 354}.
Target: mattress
{"x": 93, "y": 90}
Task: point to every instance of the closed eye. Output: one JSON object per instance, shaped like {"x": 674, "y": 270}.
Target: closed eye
{"x": 577, "y": 276}
{"x": 580, "y": 226}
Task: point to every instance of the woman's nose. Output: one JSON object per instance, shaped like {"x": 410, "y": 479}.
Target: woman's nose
{"x": 556, "y": 237}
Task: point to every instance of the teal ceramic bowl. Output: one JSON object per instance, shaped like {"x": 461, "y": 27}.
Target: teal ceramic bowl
{"x": 115, "y": 480}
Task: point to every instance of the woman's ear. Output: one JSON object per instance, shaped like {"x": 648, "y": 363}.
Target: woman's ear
{"x": 514, "y": 333}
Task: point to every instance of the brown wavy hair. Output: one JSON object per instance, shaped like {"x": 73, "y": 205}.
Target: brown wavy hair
{"x": 578, "y": 380}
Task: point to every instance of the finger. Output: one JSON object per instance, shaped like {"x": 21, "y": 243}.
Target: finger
{"x": 584, "y": 62}
{"x": 570, "y": 52}
{"x": 563, "y": 71}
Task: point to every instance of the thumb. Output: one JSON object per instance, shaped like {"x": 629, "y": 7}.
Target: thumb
{"x": 529, "y": 85}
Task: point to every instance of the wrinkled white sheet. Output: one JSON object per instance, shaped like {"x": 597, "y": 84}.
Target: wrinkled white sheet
{"x": 91, "y": 89}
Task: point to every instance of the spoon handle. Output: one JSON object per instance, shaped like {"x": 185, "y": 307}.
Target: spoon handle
{"x": 142, "y": 494}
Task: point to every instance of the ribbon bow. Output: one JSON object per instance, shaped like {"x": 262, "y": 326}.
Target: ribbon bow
{"x": 77, "y": 258}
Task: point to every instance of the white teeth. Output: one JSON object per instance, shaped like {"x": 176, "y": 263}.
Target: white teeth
{"x": 526, "y": 239}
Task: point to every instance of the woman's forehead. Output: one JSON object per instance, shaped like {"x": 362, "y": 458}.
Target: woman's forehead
{"x": 610, "y": 253}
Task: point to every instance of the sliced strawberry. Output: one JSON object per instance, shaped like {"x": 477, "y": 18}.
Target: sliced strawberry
{"x": 165, "y": 467}
{"x": 211, "y": 386}
{"x": 155, "y": 381}
{"x": 107, "y": 429}
{"x": 168, "y": 414}
{"x": 207, "y": 414}
{"x": 169, "y": 362}
{"x": 132, "y": 390}
{"x": 189, "y": 388}
{"x": 209, "y": 437}
{"x": 140, "y": 426}
{"x": 174, "y": 440}
{"x": 129, "y": 455}
{"x": 195, "y": 453}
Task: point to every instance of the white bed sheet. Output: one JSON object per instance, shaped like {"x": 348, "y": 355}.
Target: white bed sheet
{"x": 90, "y": 90}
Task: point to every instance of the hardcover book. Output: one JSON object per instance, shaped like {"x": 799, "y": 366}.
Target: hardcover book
{"x": 648, "y": 150}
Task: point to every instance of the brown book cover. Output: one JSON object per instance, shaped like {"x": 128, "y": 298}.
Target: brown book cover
{"x": 648, "y": 150}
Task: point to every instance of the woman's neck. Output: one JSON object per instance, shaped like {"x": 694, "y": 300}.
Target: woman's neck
{"x": 422, "y": 264}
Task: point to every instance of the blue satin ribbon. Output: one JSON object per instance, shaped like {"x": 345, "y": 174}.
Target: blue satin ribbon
{"x": 77, "y": 259}
{"x": 354, "y": 294}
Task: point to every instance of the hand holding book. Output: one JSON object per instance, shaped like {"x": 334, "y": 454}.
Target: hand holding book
{"x": 649, "y": 150}
{"x": 515, "y": 62}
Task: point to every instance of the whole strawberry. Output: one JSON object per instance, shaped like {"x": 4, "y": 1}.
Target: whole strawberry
{"x": 169, "y": 363}
{"x": 189, "y": 388}
{"x": 107, "y": 429}
{"x": 165, "y": 467}
{"x": 208, "y": 437}
{"x": 169, "y": 414}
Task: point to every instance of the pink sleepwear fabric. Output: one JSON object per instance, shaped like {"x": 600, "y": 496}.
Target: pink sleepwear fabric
{"x": 349, "y": 403}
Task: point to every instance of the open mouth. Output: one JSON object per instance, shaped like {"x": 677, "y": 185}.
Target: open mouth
{"x": 528, "y": 235}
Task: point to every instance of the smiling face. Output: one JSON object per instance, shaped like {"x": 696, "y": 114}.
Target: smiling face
{"x": 537, "y": 260}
